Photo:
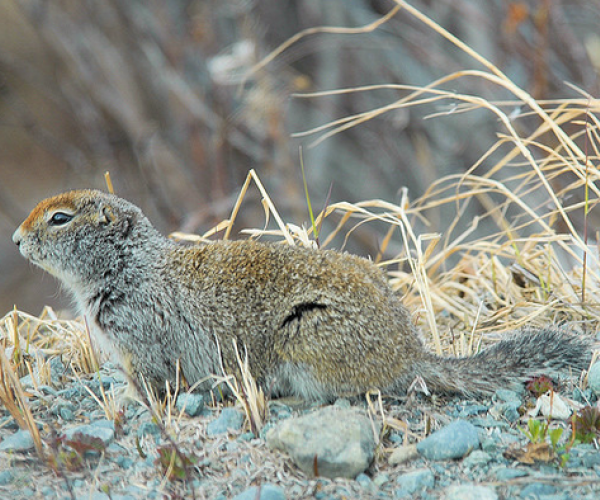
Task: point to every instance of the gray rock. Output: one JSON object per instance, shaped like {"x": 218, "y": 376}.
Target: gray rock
{"x": 594, "y": 379}
{"x": 20, "y": 441}
{"x": 414, "y": 482}
{"x": 103, "y": 496}
{"x": 267, "y": 492}
{"x": 46, "y": 389}
{"x": 341, "y": 440}
{"x": 470, "y": 410}
{"x": 489, "y": 422}
{"x": 246, "y": 436}
{"x": 66, "y": 413}
{"x": 453, "y": 441}
{"x": 229, "y": 419}
{"x": 470, "y": 492}
{"x": 6, "y": 477}
{"x": 403, "y": 454}
{"x": 124, "y": 462}
{"x": 477, "y": 459}
{"x": 8, "y": 423}
{"x": 489, "y": 445}
{"x": 509, "y": 410}
{"x": 507, "y": 473}
{"x": 381, "y": 479}
{"x": 582, "y": 396}
{"x": 342, "y": 403}
{"x": 192, "y": 404}
{"x": 102, "y": 429}
{"x": 27, "y": 381}
{"x": 364, "y": 480}
{"x": 148, "y": 429}
{"x": 534, "y": 490}
{"x": 590, "y": 460}
{"x": 104, "y": 423}
{"x": 506, "y": 396}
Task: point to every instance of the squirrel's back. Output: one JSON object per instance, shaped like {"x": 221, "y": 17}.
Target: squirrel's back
{"x": 314, "y": 323}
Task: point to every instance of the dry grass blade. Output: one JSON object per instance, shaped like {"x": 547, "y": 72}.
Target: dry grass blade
{"x": 253, "y": 400}
{"x": 14, "y": 400}
{"x": 268, "y": 204}
{"x": 244, "y": 388}
{"x": 310, "y": 31}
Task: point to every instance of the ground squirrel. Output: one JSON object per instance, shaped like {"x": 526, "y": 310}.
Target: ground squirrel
{"x": 315, "y": 323}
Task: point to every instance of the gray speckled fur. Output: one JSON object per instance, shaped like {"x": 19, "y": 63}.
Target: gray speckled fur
{"x": 317, "y": 324}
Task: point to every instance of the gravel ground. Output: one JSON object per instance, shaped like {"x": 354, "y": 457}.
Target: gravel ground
{"x": 119, "y": 460}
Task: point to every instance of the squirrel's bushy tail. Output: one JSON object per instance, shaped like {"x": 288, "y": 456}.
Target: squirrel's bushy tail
{"x": 507, "y": 364}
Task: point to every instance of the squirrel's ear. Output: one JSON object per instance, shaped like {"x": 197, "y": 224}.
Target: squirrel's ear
{"x": 105, "y": 215}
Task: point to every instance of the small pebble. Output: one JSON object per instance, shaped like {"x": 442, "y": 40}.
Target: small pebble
{"x": 468, "y": 411}
{"x": 148, "y": 429}
{"x": 415, "y": 481}
{"x": 6, "y": 477}
{"x": 593, "y": 379}
{"x": 46, "y": 389}
{"x": 489, "y": 445}
{"x": 103, "y": 496}
{"x": 8, "y": 423}
{"x": 489, "y": 423}
{"x": 100, "y": 429}
{"x": 590, "y": 460}
{"x": 191, "y": 403}
{"x": 507, "y": 473}
{"x": 381, "y": 479}
{"x": 342, "y": 440}
{"x": 582, "y": 396}
{"x": 342, "y": 403}
{"x": 247, "y": 436}
{"x": 20, "y": 441}
{"x": 535, "y": 490}
{"x": 66, "y": 414}
{"x": 364, "y": 480}
{"x": 477, "y": 458}
{"x": 509, "y": 410}
{"x": 229, "y": 419}
{"x": 453, "y": 441}
{"x": 267, "y": 492}
{"x": 124, "y": 462}
{"x": 403, "y": 454}
{"x": 506, "y": 396}
{"x": 470, "y": 492}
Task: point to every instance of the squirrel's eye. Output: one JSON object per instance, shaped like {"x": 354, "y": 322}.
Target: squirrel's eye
{"x": 59, "y": 218}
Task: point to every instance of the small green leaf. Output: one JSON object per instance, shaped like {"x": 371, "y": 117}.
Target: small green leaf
{"x": 555, "y": 435}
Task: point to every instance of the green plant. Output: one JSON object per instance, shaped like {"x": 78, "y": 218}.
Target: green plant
{"x": 537, "y": 430}
{"x": 544, "y": 441}
{"x": 175, "y": 464}
{"x": 69, "y": 454}
{"x": 585, "y": 425}
{"x": 540, "y": 385}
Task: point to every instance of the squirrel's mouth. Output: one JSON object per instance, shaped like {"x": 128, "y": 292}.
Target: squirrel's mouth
{"x": 23, "y": 251}
{"x": 32, "y": 258}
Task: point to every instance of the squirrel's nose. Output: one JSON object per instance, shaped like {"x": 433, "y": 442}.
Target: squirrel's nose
{"x": 16, "y": 237}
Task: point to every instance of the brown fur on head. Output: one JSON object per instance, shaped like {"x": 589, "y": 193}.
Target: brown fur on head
{"x": 62, "y": 233}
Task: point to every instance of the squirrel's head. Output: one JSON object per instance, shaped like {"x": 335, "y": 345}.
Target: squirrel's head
{"x": 80, "y": 235}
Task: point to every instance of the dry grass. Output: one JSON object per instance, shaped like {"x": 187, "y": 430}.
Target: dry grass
{"x": 248, "y": 395}
{"x": 541, "y": 265}
{"x": 26, "y": 345}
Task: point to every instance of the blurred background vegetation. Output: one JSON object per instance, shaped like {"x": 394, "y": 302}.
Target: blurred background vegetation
{"x": 154, "y": 92}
